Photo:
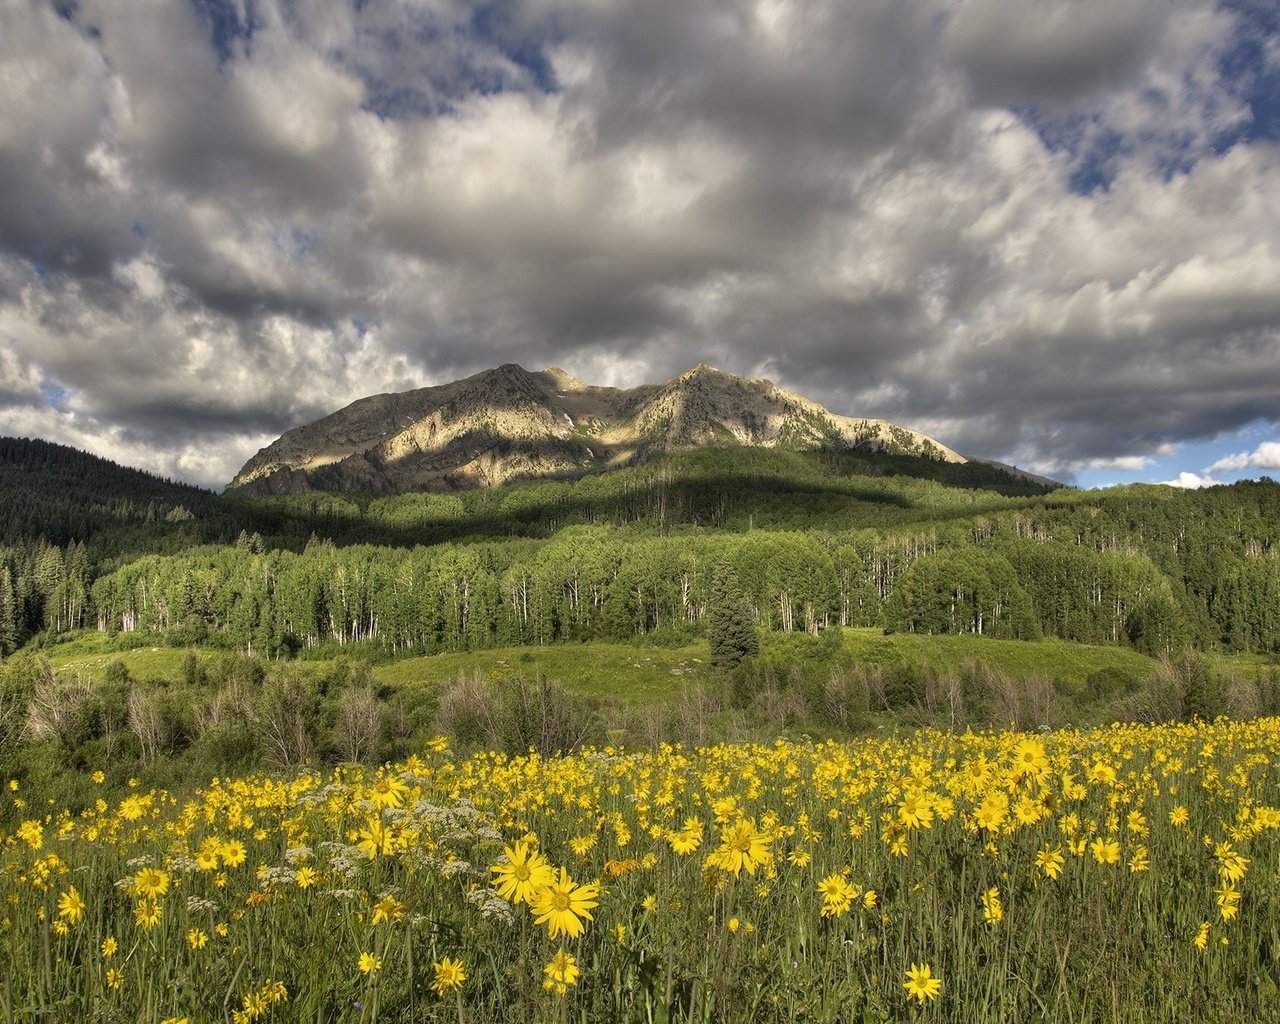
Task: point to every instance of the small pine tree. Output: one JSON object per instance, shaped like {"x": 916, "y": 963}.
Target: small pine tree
{"x": 731, "y": 629}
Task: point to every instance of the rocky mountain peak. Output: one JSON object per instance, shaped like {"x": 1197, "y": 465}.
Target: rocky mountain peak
{"x": 509, "y": 422}
{"x": 564, "y": 381}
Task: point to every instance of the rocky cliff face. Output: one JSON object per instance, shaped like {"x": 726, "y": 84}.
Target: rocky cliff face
{"x": 509, "y": 423}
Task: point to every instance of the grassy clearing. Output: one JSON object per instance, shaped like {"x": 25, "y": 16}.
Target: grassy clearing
{"x": 91, "y": 654}
{"x": 634, "y": 672}
{"x": 620, "y": 671}
{"x": 1053, "y": 659}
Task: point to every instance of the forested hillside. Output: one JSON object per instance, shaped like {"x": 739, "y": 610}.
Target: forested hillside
{"x": 1138, "y": 567}
{"x": 63, "y": 495}
{"x": 815, "y": 539}
{"x": 63, "y": 516}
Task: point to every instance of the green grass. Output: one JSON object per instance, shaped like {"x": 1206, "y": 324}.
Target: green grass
{"x": 1253, "y": 665}
{"x": 91, "y": 653}
{"x": 1051, "y": 658}
{"x": 636, "y": 673}
{"x": 633, "y": 672}
{"x": 621, "y": 671}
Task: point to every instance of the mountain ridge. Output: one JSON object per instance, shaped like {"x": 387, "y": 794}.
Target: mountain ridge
{"x": 510, "y": 423}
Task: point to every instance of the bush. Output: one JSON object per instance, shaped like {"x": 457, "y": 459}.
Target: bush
{"x": 514, "y": 714}
{"x": 1107, "y": 683}
{"x": 285, "y": 717}
{"x": 1181, "y": 688}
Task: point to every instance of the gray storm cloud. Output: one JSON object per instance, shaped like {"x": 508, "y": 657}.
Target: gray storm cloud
{"x": 1042, "y": 231}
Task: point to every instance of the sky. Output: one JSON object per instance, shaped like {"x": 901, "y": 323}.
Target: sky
{"x": 1042, "y": 231}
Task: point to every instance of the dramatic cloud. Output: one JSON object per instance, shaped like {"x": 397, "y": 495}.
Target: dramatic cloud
{"x": 1042, "y": 230}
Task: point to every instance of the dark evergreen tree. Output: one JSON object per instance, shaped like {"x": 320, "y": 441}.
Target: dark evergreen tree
{"x": 731, "y": 629}
{"x": 8, "y": 613}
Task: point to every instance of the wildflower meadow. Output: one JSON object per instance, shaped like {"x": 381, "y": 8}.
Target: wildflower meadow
{"x": 1125, "y": 874}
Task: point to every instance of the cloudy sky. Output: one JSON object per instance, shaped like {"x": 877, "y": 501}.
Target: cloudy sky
{"x": 1044, "y": 231}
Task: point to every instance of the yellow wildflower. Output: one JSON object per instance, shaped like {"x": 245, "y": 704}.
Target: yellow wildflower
{"x": 921, "y": 984}
{"x": 449, "y": 976}
{"x": 992, "y": 908}
{"x": 388, "y": 910}
{"x": 1050, "y": 861}
{"x": 561, "y": 973}
{"x": 150, "y": 883}
{"x": 523, "y": 875}
{"x": 560, "y": 905}
{"x": 1105, "y": 851}
{"x": 742, "y": 848}
{"x": 70, "y": 905}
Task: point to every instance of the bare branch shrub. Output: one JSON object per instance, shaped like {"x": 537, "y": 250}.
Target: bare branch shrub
{"x": 359, "y": 724}
{"x": 147, "y": 721}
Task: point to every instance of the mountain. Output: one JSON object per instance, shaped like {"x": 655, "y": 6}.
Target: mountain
{"x": 509, "y": 423}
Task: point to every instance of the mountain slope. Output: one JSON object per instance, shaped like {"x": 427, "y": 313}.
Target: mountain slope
{"x": 510, "y": 423}
{"x": 63, "y": 494}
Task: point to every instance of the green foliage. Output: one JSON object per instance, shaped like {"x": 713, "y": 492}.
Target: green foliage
{"x": 967, "y": 590}
{"x": 203, "y": 712}
{"x": 1183, "y": 688}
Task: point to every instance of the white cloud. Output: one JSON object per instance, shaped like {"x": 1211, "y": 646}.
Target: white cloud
{"x": 1265, "y": 456}
{"x": 1068, "y": 469}
{"x": 1191, "y": 481}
